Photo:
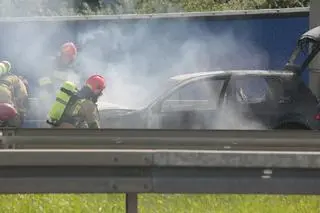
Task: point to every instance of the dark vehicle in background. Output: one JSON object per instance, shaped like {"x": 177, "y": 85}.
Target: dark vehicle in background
{"x": 236, "y": 99}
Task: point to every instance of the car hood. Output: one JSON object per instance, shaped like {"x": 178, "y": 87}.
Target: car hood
{"x": 108, "y": 109}
{"x": 109, "y": 106}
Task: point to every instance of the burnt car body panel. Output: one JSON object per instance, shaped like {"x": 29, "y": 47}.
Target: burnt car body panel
{"x": 313, "y": 34}
{"x": 307, "y": 47}
{"x": 286, "y": 99}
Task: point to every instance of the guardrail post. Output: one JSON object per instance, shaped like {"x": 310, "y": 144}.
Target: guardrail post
{"x": 131, "y": 203}
{"x": 6, "y": 132}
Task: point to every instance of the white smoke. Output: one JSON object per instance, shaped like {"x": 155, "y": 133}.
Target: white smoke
{"x": 134, "y": 56}
{"x": 29, "y": 46}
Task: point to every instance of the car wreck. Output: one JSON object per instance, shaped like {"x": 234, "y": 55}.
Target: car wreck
{"x": 233, "y": 99}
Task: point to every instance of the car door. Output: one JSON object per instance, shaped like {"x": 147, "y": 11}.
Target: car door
{"x": 192, "y": 105}
{"x": 252, "y": 103}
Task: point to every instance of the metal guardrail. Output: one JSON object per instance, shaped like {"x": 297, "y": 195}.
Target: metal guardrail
{"x": 156, "y": 164}
{"x": 158, "y": 171}
{"x": 227, "y": 13}
{"x": 161, "y": 139}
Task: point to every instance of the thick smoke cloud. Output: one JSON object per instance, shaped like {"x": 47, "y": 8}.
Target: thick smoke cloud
{"x": 136, "y": 57}
{"x": 29, "y": 46}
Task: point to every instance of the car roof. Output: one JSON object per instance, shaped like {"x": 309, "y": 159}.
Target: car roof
{"x": 189, "y": 76}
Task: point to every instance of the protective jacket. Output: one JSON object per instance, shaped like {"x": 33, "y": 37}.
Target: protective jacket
{"x": 60, "y": 68}
{"x": 14, "y": 92}
{"x": 57, "y": 73}
{"x": 79, "y": 112}
{"x": 82, "y": 114}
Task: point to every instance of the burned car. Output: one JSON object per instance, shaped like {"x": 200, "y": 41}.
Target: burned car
{"x": 234, "y": 99}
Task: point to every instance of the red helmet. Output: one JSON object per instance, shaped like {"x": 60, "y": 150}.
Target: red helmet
{"x": 7, "y": 112}
{"x": 69, "y": 50}
{"x": 96, "y": 83}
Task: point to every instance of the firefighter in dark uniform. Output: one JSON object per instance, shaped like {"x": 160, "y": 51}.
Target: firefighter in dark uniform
{"x": 78, "y": 109}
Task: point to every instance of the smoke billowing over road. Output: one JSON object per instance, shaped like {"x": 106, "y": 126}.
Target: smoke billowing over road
{"x": 134, "y": 56}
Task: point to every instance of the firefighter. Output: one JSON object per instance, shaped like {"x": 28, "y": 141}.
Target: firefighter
{"x": 57, "y": 70}
{"x": 13, "y": 97}
{"x": 77, "y": 108}
{"x": 61, "y": 68}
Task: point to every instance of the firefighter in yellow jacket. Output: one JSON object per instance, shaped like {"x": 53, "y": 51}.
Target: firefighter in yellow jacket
{"x": 77, "y": 109}
{"x": 13, "y": 96}
{"x": 59, "y": 69}
{"x": 53, "y": 73}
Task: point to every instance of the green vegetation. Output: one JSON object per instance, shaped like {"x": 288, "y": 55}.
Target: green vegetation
{"x": 150, "y": 203}
{"x": 86, "y": 7}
